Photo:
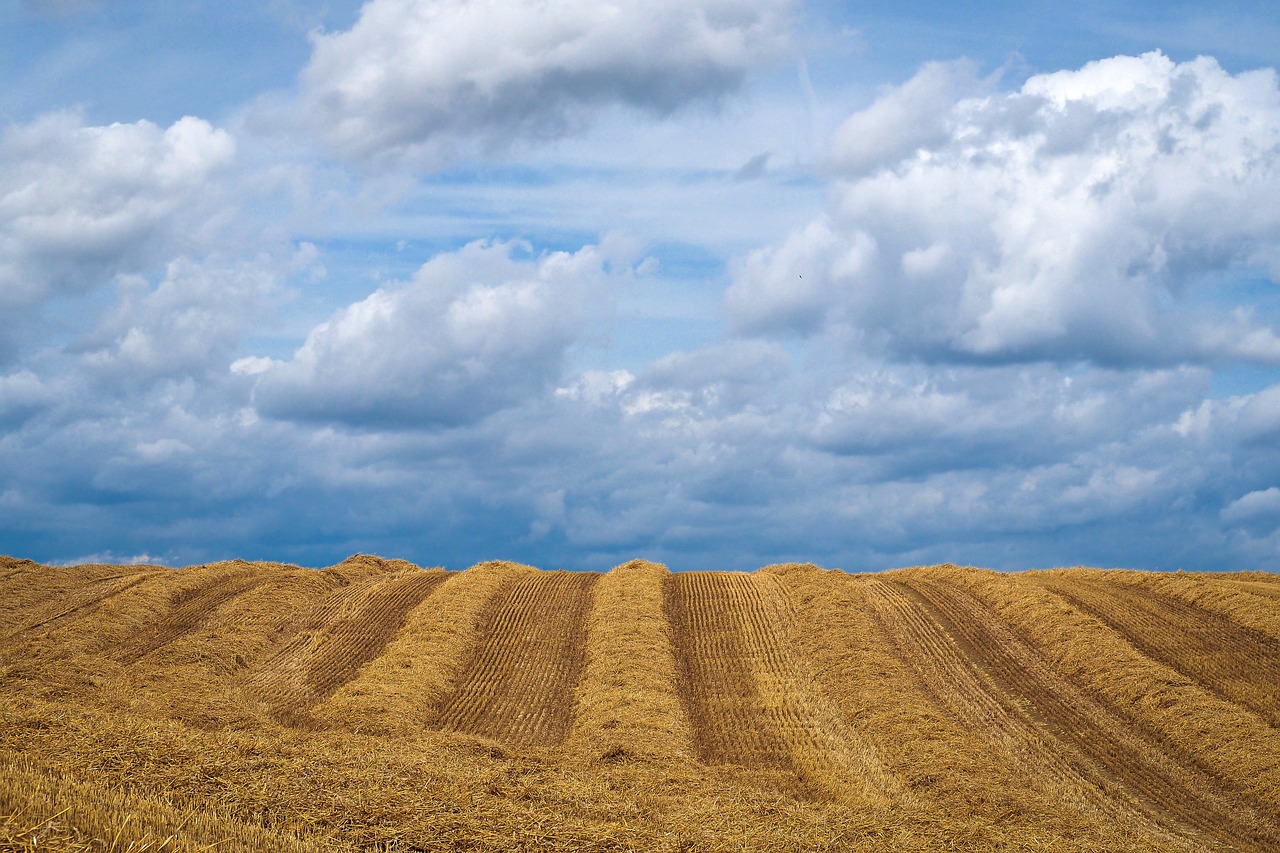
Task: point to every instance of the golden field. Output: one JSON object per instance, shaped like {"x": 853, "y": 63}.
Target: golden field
{"x": 375, "y": 705}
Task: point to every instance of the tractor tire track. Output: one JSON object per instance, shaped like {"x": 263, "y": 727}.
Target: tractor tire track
{"x": 953, "y": 673}
{"x": 1230, "y": 660}
{"x": 519, "y": 687}
{"x": 1170, "y": 788}
{"x": 354, "y": 641}
{"x": 1262, "y": 589}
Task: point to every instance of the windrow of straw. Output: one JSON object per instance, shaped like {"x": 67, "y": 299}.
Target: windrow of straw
{"x": 823, "y": 745}
{"x": 32, "y": 595}
{"x": 198, "y": 677}
{"x": 627, "y": 703}
{"x": 1238, "y": 746}
{"x": 404, "y": 688}
{"x": 361, "y": 567}
{"x": 1226, "y": 658}
{"x": 112, "y": 629}
{"x": 1254, "y": 604}
{"x": 133, "y": 615}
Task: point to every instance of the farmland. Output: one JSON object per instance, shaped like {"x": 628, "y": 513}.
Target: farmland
{"x": 376, "y": 705}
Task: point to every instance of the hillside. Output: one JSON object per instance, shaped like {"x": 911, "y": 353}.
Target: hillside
{"x": 374, "y": 705}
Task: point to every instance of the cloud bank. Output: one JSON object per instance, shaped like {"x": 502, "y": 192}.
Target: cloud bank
{"x": 1032, "y": 324}
{"x": 79, "y": 203}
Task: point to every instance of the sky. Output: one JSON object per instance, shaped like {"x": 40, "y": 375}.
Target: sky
{"x": 714, "y": 283}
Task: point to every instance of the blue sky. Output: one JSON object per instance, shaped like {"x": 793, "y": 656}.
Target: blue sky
{"x": 716, "y": 283}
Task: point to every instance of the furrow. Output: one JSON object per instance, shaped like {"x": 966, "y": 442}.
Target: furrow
{"x": 714, "y": 670}
{"x": 961, "y": 675}
{"x": 1244, "y": 603}
{"x": 960, "y": 680}
{"x": 950, "y": 676}
{"x": 519, "y": 687}
{"x": 1169, "y": 787}
{"x": 723, "y": 638}
{"x": 1265, "y": 589}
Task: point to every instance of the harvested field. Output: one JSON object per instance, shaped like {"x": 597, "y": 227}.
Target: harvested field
{"x": 751, "y": 699}
{"x": 376, "y": 705}
{"x": 187, "y": 611}
{"x": 76, "y": 600}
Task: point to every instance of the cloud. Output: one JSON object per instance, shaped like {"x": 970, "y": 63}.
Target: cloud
{"x": 112, "y": 559}
{"x": 474, "y": 331}
{"x": 1262, "y": 504}
{"x": 1249, "y": 420}
{"x": 995, "y": 346}
{"x": 753, "y": 168}
{"x": 80, "y": 204}
{"x": 718, "y": 378}
{"x": 727, "y": 456}
{"x": 417, "y": 78}
{"x": 1076, "y": 218}
{"x": 187, "y": 324}
{"x": 22, "y": 395}
{"x": 906, "y": 119}
{"x": 1006, "y": 470}
{"x": 728, "y": 451}
{"x": 913, "y": 418}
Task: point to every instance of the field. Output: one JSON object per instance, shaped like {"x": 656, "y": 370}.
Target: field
{"x": 375, "y": 705}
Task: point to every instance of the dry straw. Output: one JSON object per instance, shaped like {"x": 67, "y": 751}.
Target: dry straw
{"x": 789, "y": 709}
{"x": 627, "y": 703}
{"x": 1232, "y": 743}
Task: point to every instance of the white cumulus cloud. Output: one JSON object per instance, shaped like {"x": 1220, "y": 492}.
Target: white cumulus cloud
{"x": 1072, "y": 219}
{"x": 474, "y": 331}
{"x": 1264, "y": 503}
{"x": 79, "y": 204}
{"x": 187, "y": 323}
